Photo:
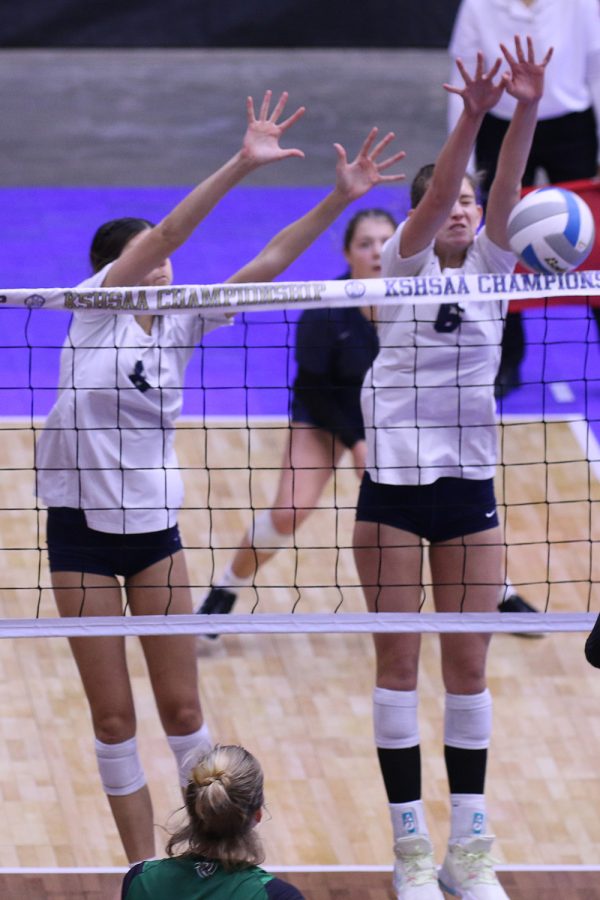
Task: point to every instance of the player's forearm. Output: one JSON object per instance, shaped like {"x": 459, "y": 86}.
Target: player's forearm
{"x": 514, "y": 153}
{"x": 453, "y": 159}
{"x": 179, "y": 224}
{"x": 293, "y": 240}
{"x": 297, "y": 237}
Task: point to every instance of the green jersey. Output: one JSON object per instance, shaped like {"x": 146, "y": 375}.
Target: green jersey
{"x": 187, "y": 878}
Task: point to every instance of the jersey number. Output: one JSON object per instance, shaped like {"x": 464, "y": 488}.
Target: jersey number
{"x": 138, "y": 377}
{"x": 448, "y": 318}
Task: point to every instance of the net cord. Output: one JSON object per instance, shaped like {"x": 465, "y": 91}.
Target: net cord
{"x": 298, "y": 623}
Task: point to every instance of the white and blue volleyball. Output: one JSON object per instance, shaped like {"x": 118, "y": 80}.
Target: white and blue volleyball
{"x": 551, "y": 230}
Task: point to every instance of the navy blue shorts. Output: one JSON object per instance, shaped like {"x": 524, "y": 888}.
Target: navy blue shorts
{"x": 349, "y": 430}
{"x": 73, "y": 547}
{"x": 299, "y": 412}
{"x": 447, "y": 509}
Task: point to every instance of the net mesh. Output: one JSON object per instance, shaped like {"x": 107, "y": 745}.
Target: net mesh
{"x": 230, "y": 444}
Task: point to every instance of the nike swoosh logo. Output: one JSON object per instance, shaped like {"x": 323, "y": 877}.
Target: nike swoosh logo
{"x": 489, "y": 515}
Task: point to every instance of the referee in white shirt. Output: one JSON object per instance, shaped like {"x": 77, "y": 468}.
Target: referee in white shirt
{"x": 565, "y": 143}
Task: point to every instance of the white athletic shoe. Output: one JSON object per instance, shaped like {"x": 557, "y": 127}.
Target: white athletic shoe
{"x": 468, "y": 870}
{"x": 415, "y": 872}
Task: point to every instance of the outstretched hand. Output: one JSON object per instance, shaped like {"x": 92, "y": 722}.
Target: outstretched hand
{"x": 525, "y": 81}
{"x": 355, "y": 178}
{"x": 261, "y": 141}
{"x": 479, "y": 93}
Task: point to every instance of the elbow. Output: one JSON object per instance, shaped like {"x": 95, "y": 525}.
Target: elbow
{"x": 168, "y": 236}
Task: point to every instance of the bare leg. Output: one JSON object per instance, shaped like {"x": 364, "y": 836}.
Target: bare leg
{"x": 359, "y": 458}
{"x": 388, "y": 561}
{"x": 389, "y": 566}
{"x": 308, "y": 461}
{"x": 467, "y": 575}
{"x": 103, "y": 669}
{"x": 171, "y": 660}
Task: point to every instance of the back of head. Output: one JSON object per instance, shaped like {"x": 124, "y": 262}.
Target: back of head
{"x": 222, "y": 798}
{"x": 111, "y": 238}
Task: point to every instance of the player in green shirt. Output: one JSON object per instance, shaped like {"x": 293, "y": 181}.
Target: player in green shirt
{"x": 220, "y": 851}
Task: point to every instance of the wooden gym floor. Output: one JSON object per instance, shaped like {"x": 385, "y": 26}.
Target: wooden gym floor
{"x": 302, "y": 702}
{"x": 314, "y": 886}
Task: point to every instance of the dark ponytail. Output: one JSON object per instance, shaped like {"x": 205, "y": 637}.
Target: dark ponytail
{"x": 112, "y": 237}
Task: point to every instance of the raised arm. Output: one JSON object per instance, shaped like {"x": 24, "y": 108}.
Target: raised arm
{"x": 353, "y": 180}
{"x": 260, "y": 146}
{"x": 479, "y": 94}
{"x": 526, "y": 84}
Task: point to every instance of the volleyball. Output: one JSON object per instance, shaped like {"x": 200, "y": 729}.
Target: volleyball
{"x": 551, "y": 230}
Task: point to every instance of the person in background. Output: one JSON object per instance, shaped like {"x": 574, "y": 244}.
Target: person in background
{"x": 334, "y": 349}
{"x": 218, "y": 848}
{"x": 565, "y": 144}
{"x": 592, "y": 645}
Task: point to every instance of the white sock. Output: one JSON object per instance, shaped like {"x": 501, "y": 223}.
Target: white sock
{"x": 408, "y": 819}
{"x": 468, "y": 816}
{"x": 230, "y": 580}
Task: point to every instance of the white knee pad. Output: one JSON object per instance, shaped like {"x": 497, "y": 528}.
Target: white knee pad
{"x": 468, "y": 720}
{"x": 188, "y": 749}
{"x": 264, "y": 535}
{"x": 120, "y": 767}
{"x": 395, "y": 720}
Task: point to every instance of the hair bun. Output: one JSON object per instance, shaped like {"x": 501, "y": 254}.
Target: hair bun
{"x": 207, "y": 780}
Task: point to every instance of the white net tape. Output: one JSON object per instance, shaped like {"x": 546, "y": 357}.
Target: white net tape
{"x": 309, "y": 294}
{"x": 298, "y": 623}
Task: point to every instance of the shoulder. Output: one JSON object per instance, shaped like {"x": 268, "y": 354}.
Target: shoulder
{"x": 486, "y": 256}
{"x": 393, "y": 264}
{"x": 277, "y": 889}
{"x": 94, "y": 281}
{"x": 85, "y": 316}
{"x": 133, "y": 873}
{"x": 154, "y": 877}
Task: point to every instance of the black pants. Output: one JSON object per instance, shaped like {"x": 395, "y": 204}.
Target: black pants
{"x": 566, "y": 148}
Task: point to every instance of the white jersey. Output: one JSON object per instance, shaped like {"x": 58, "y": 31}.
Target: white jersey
{"x": 428, "y": 400}
{"x": 108, "y": 443}
{"x": 572, "y": 27}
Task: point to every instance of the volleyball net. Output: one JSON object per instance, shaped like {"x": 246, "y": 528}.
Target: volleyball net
{"x": 230, "y": 443}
